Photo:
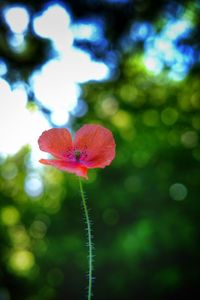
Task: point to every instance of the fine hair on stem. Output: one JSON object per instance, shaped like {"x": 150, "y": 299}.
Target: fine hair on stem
{"x": 89, "y": 240}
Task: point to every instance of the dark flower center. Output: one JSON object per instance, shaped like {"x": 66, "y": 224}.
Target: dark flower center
{"x": 77, "y": 154}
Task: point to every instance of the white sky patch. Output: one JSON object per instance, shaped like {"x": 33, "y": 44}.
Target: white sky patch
{"x": 60, "y": 117}
{"x": 83, "y": 68}
{"x": 18, "y": 126}
{"x": 17, "y": 42}
{"x": 54, "y": 87}
{"x": 33, "y": 185}
{"x": 54, "y": 24}
{"x": 56, "y": 84}
{"x": 3, "y": 68}
{"x": 174, "y": 30}
{"x": 161, "y": 50}
{"x": 86, "y": 31}
{"x": 17, "y": 18}
{"x": 153, "y": 64}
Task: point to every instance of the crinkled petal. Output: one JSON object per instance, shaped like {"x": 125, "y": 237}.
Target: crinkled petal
{"x": 70, "y": 167}
{"x": 56, "y": 141}
{"x": 98, "y": 144}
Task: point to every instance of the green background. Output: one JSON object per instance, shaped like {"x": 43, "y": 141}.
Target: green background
{"x": 144, "y": 207}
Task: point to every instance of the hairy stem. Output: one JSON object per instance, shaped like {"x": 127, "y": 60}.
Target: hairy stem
{"x": 89, "y": 236}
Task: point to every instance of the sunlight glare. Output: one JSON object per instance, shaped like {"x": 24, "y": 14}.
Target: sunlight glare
{"x": 56, "y": 83}
{"x": 54, "y": 87}
{"x": 54, "y": 23}
{"x": 165, "y": 51}
{"x": 177, "y": 29}
{"x": 18, "y": 126}
{"x": 60, "y": 117}
{"x": 3, "y": 68}
{"x": 33, "y": 185}
{"x": 153, "y": 64}
{"x": 17, "y": 18}
{"x": 86, "y": 31}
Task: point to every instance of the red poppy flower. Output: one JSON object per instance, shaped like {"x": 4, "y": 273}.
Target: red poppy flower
{"x": 93, "y": 147}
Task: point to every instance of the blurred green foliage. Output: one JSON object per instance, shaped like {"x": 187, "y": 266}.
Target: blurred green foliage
{"x": 145, "y": 206}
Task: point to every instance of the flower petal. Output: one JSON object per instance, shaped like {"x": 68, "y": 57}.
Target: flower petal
{"x": 98, "y": 143}
{"x": 70, "y": 167}
{"x": 55, "y": 141}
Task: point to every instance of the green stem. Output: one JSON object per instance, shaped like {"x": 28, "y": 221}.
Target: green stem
{"x": 90, "y": 245}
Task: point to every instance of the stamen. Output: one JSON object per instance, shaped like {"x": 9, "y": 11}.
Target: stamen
{"x": 76, "y": 154}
